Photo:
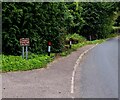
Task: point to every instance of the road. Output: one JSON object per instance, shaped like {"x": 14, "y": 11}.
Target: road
{"x": 98, "y": 72}
{"x": 96, "y": 76}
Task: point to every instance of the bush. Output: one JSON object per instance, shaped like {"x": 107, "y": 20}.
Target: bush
{"x": 76, "y": 38}
{"x": 15, "y": 63}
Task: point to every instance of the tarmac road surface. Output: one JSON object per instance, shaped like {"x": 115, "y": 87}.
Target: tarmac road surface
{"x": 96, "y": 76}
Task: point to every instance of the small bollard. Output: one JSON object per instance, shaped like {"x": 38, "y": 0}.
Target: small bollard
{"x": 49, "y": 48}
{"x": 70, "y": 43}
{"x": 90, "y": 37}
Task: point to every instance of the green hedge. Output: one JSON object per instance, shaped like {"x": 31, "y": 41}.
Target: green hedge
{"x": 48, "y": 21}
{"x": 41, "y": 22}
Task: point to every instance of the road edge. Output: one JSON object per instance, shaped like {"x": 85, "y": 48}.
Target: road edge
{"x": 75, "y": 67}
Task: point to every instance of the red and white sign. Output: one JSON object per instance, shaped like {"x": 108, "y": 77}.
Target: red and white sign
{"x": 49, "y": 43}
{"x": 24, "y": 42}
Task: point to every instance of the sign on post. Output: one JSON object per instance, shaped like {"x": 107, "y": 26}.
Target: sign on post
{"x": 49, "y": 47}
{"x": 24, "y": 42}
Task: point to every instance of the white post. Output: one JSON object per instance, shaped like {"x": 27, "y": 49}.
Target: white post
{"x": 49, "y": 50}
{"x": 70, "y": 44}
{"x": 90, "y": 38}
{"x": 26, "y": 52}
{"x": 23, "y": 52}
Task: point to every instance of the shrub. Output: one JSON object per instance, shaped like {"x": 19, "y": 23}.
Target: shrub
{"x": 75, "y": 38}
{"x": 15, "y": 63}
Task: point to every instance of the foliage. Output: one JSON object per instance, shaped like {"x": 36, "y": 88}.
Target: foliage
{"x": 41, "y": 22}
{"x": 117, "y": 23}
{"x": 48, "y": 21}
{"x": 74, "y": 20}
{"x": 99, "y": 19}
{"x": 81, "y": 44}
{"x": 0, "y": 62}
{"x": 75, "y": 37}
{"x": 112, "y": 35}
{"x": 16, "y": 63}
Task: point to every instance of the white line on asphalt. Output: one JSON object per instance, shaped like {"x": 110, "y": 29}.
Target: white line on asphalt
{"x": 75, "y": 67}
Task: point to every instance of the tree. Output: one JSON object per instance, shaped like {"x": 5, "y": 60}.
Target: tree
{"x": 99, "y": 19}
{"x": 41, "y": 22}
{"x": 75, "y": 21}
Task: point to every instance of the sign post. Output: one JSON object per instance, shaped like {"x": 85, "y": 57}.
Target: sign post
{"x": 26, "y": 52}
{"x": 24, "y": 42}
{"x": 49, "y": 47}
{"x": 23, "y": 52}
